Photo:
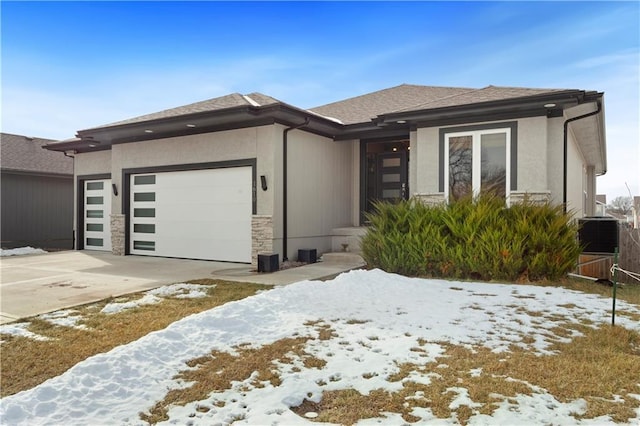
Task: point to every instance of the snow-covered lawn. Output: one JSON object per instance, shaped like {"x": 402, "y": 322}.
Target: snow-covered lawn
{"x": 377, "y": 321}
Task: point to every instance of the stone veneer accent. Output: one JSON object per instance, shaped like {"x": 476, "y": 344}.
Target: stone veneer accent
{"x": 431, "y": 199}
{"x": 261, "y": 236}
{"x": 538, "y": 197}
{"x": 117, "y": 234}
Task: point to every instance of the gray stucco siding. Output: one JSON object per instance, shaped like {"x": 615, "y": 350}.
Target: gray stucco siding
{"x": 320, "y": 190}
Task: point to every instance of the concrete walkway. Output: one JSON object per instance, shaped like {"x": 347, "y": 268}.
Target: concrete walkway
{"x": 35, "y": 284}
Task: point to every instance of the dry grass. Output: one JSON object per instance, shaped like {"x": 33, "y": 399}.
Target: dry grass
{"x": 627, "y": 292}
{"x": 598, "y": 366}
{"x": 26, "y": 363}
{"x": 217, "y": 371}
{"x": 603, "y": 363}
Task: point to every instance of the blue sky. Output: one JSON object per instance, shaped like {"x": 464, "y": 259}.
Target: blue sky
{"x": 68, "y": 66}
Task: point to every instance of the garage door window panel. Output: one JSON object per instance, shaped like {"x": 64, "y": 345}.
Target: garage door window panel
{"x": 144, "y": 245}
{"x": 144, "y": 212}
{"x": 144, "y": 196}
{"x": 144, "y": 180}
{"x": 144, "y": 228}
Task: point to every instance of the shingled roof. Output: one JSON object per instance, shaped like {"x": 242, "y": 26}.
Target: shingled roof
{"x": 223, "y": 102}
{"x": 407, "y": 97}
{"x": 486, "y": 94}
{"x": 25, "y": 154}
{"x": 362, "y": 109}
{"x": 359, "y": 109}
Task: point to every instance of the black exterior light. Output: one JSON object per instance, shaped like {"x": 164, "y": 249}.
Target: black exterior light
{"x": 263, "y": 182}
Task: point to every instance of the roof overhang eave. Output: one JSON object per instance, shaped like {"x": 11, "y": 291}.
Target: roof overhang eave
{"x": 590, "y": 133}
{"x": 530, "y": 105}
{"x": 229, "y": 118}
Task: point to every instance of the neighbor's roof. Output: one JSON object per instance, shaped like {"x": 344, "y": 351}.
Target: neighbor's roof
{"x": 25, "y": 154}
{"x": 215, "y": 104}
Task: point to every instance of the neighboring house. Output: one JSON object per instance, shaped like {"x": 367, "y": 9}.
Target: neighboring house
{"x": 227, "y": 178}
{"x": 37, "y": 194}
{"x": 601, "y": 205}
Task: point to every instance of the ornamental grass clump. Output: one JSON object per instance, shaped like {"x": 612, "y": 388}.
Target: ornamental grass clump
{"x": 477, "y": 238}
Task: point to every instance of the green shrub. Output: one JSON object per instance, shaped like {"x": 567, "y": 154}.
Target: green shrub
{"x": 472, "y": 239}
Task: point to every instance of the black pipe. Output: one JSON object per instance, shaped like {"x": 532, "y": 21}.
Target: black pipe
{"x": 73, "y": 166}
{"x": 566, "y": 142}
{"x": 284, "y": 186}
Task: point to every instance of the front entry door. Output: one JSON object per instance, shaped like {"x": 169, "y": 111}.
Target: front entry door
{"x": 392, "y": 176}
{"x": 385, "y": 174}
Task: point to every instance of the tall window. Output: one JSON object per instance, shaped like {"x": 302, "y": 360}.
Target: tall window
{"x": 478, "y": 162}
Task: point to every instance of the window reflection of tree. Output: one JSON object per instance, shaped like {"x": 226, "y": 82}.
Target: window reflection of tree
{"x": 460, "y": 167}
{"x": 494, "y": 179}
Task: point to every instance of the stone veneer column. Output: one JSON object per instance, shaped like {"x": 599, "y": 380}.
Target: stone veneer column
{"x": 261, "y": 236}
{"x": 117, "y": 234}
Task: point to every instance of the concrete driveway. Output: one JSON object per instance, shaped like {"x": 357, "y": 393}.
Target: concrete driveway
{"x": 35, "y": 284}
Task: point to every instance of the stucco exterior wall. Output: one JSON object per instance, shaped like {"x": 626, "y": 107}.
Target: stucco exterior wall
{"x": 92, "y": 163}
{"x": 423, "y": 161}
{"x": 238, "y": 144}
{"x": 576, "y": 179}
{"x": 320, "y": 173}
{"x": 355, "y": 181}
{"x": 532, "y": 155}
{"x": 555, "y": 155}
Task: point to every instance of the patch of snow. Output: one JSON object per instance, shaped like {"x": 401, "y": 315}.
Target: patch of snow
{"x": 181, "y": 291}
{"x": 377, "y": 319}
{"x": 20, "y": 329}
{"x": 115, "y": 307}
{"x": 21, "y": 251}
{"x": 64, "y": 318}
{"x": 461, "y": 399}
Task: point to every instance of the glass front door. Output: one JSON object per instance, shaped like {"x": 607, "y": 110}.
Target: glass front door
{"x": 387, "y": 173}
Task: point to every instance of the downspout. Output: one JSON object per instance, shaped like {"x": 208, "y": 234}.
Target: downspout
{"x": 284, "y": 186}
{"x": 566, "y": 143}
{"x": 73, "y": 231}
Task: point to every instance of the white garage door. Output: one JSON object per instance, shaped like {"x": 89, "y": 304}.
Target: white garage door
{"x": 196, "y": 214}
{"x": 97, "y": 211}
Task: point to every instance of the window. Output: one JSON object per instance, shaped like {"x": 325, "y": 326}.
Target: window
{"x": 144, "y": 180}
{"x": 144, "y": 228}
{"x": 144, "y": 245}
{"x": 95, "y": 227}
{"x": 478, "y": 161}
{"x": 95, "y": 200}
{"x": 144, "y": 196}
{"x": 144, "y": 212}
{"x": 95, "y": 186}
{"x": 96, "y": 242}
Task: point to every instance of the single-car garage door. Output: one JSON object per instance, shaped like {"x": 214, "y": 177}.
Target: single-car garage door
{"x": 195, "y": 214}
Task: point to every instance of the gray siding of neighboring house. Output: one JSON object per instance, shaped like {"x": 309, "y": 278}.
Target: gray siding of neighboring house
{"x": 37, "y": 211}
